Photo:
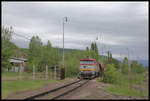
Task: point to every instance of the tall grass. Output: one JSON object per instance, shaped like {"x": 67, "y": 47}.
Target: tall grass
{"x": 124, "y": 85}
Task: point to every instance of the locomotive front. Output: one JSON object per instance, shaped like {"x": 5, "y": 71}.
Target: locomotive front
{"x": 87, "y": 68}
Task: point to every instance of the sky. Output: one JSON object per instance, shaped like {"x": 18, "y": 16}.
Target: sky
{"x": 121, "y": 27}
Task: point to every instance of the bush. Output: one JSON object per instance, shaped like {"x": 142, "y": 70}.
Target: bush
{"x": 110, "y": 75}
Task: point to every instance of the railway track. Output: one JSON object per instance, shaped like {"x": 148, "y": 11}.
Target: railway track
{"x": 60, "y": 91}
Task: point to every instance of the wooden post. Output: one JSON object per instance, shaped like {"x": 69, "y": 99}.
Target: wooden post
{"x": 55, "y": 72}
{"x": 46, "y": 72}
{"x": 21, "y": 71}
{"x": 33, "y": 72}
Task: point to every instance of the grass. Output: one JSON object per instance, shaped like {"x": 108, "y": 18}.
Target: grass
{"x": 125, "y": 83}
{"x": 123, "y": 90}
{"x": 130, "y": 79}
{"x": 25, "y": 75}
{"x": 14, "y": 75}
{"x": 11, "y": 82}
{"x": 12, "y": 86}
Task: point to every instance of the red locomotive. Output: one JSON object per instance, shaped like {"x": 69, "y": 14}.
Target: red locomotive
{"x": 90, "y": 68}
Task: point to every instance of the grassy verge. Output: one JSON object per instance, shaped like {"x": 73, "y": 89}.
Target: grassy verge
{"x": 125, "y": 85}
{"x": 12, "y": 86}
{"x": 11, "y": 82}
{"x": 126, "y": 91}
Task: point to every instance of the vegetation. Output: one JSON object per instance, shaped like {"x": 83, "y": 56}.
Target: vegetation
{"x": 137, "y": 68}
{"x": 125, "y": 85}
{"x": 125, "y": 66}
{"x": 110, "y": 76}
{"x": 8, "y": 48}
{"x": 124, "y": 78}
{"x": 10, "y": 86}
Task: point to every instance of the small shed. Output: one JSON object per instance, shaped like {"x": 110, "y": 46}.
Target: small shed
{"x": 17, "y": 63}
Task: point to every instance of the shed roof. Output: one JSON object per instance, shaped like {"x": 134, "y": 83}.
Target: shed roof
{"x": 17, "y": 60}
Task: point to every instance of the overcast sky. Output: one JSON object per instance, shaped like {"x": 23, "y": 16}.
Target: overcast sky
{"x": 118, "y": 25}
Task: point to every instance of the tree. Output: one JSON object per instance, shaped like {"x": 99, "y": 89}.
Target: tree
{"x": 8, "y": 48}
{"x": 87, "y": 48}
{"x": 109, "y": 57}
{"x": 95, "y": 48}
{"x": 134, "y": 66}
{"x": 125, "y": 66}
{"x": 92, "y": 46}
{"x": 49, "y": 46}
{"x": 94, "y": 51}
{"x": 35, "y": 52}
{"x": 7, "y": 33}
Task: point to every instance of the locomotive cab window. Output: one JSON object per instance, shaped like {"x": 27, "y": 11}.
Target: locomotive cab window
{"x": 87, "y": 62}
{"x": 91, "y": 62}
{"x": 83, "y": 62}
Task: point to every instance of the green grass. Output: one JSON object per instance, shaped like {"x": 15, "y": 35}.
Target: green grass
{"x": 125, "y": 83}
{"x": 123, "y": 90}
{"x": 14, "y": 75}
{"x": 130, "y": 79}
{"x": 11, "y": 82}
{"x": 25, "y": 75}
{"x": 9, "y": 87}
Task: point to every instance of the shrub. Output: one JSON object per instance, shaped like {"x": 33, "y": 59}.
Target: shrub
{"x": 110, "y": 75}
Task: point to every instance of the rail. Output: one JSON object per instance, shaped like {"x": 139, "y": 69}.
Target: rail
{"x": 56, "y": 89}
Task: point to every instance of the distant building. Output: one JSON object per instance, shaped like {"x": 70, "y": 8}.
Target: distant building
{"x": 16, "y": 64}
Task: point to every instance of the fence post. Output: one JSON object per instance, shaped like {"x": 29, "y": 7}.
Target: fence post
{"x": 55, "y": 72}
{"x": 33, "y": 72}
{"x": 20, "y": 71}
{"x": 46, "y": 72}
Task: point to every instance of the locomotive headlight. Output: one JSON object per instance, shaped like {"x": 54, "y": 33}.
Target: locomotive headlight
{"x": 84, "y": 66}
{"x": 93, "y": 72}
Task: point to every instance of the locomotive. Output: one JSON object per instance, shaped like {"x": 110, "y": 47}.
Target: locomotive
{"x": 90, "y": 68}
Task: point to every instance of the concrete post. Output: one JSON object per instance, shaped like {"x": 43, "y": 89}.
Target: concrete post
{"x": 55, "y": 73}
{"x": 20, "y": 71}
{"x": 33, "y": 72}
{"x": 46, "y": 72}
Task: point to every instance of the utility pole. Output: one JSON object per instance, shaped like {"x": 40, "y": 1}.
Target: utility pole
{"x": 128, "y": 53}
{"x": 63, "y": 70}
{"x": 120, "y": 56}
{"x": 108, "y": 57}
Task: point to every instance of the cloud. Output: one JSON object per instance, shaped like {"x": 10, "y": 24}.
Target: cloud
{"x": 119, "y": 25}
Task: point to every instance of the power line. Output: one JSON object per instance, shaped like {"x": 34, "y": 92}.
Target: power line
{"x": 21, "y": 36}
